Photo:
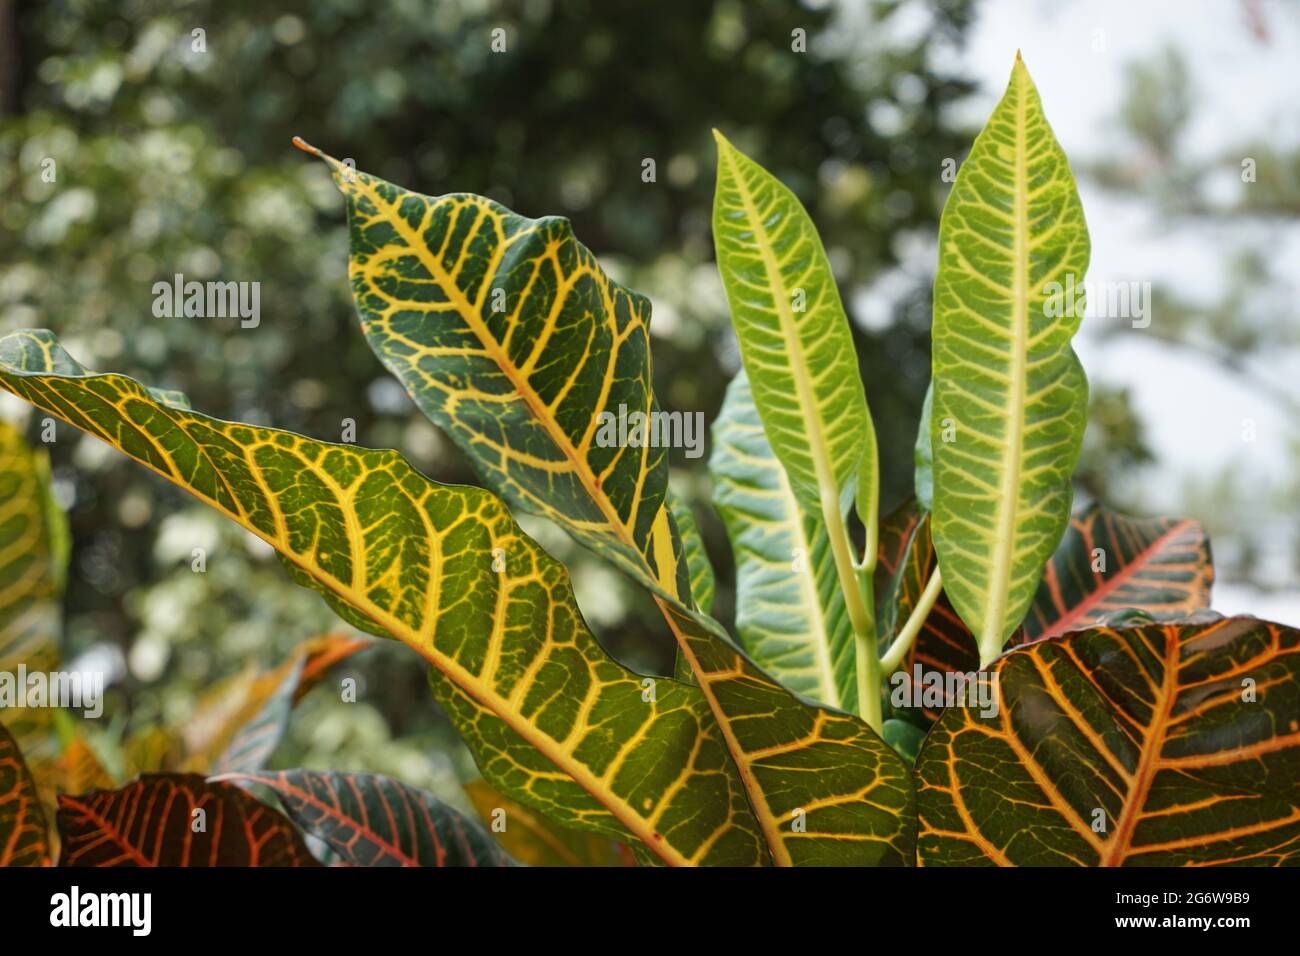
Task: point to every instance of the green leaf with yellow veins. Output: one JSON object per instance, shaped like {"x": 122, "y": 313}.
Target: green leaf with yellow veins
{"x": 1013, "y": 250}
{"x": 534, "y": 841}
{"x": 789, "y": 609}
{"x": 554, "y": 722}
{"x": 510, "y": 337}
{"x": 33, "y": 563}
{"x": 794, "y": 337}
{"x": 827, "y": 790}
{"x": 508, "y": 334}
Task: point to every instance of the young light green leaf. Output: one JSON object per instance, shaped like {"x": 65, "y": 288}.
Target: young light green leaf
{"x": 1007, "y": 300}
{"x": 794, "y": 337}
{"x": 789, "y": 609}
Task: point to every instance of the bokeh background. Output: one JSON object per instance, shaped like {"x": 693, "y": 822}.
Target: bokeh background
{"x": 171, "y": 160}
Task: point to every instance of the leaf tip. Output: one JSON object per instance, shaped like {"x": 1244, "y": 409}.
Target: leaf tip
{"x": 1020, "y": 77}
{"x": 306, "y": 147}
{"x": 1018, "y": 69}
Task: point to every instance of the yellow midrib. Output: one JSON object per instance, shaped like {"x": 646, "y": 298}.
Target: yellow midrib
{"x": 1004, "y": 544}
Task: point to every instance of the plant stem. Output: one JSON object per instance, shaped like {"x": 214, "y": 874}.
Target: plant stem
{"x": 858, "y": 603}
{"x": 898, "y": 650}
{"x": 868, "y": 665}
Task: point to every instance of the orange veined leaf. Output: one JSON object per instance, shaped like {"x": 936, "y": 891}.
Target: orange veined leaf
{"x": 1159, "y": 745}
{"x": 1108, "y": 562}
{"x": 373, "y": 820}
{"x": 176, "y": 820}
{"x": 23, "y": 835}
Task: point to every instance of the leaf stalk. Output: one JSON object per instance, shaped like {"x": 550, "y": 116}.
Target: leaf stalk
{"x": 915, "y": 621}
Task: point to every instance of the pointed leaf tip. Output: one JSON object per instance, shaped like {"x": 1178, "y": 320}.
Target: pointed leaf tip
{"x": 1019, "y": 70}
{"x": 305, "y": 146}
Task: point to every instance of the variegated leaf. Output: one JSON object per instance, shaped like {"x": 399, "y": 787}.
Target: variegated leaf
{"x": 1159, "y": 745}
{"x": 554, "y": 721}
{"x": 33, "y": 561}
{"x": 697, "y": 559}
{"x": 1109, "y": 562}
{"x": 789, "y": 609}
{"x": 23, "y": 835}
{"x": 373, "y": 820}
{"x": 176, "y": 820}
{"x": 794, "y": 337}
{"x": 1008, "y": 297}
{"x": 533, "y": 840}
{"x": 506, "y": 332}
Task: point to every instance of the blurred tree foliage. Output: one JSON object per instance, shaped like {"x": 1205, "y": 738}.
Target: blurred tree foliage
{"x": 172, "y": 156}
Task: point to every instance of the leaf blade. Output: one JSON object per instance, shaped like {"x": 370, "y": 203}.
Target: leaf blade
{"x": 24, "y": 839}
{"x": 316, "y": 502}
{"x": 794, "y": 337}
{"x": 533, "y": 840}
{"x": 1003, "y": 370}
{"x": 153, "y": 821}
{"x": 944, "y": 644}
{"x": 790, "y": 612}
{"x": 462, "y": 305}
{"x": 374, "y": 820}
{"x": 1144, "y": 729}
{"x": 1109, "y": 562}
{"x": 33, "y": 563}
{"x": 703, "y": 584}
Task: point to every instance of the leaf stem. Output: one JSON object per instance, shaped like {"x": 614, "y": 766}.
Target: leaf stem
{"x": 898, "y": 650}
{"x": 859, "y": 604}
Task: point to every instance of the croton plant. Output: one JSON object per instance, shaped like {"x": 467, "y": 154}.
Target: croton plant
{"x": 975, "y": 676}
